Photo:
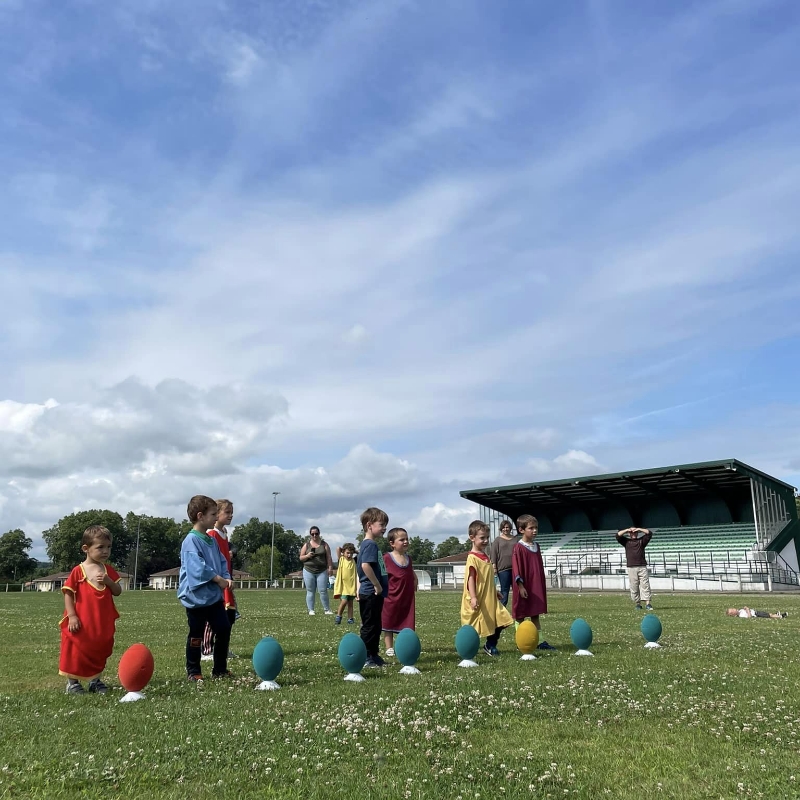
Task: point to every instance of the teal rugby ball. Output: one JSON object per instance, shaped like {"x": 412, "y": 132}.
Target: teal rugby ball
{"x": 352, "y": 653}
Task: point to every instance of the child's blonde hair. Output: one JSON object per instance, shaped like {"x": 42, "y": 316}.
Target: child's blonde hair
{"x": 372, "y": 515}
{"x": 477, "y": 526}
{"x": 223, "y": 505}
{"x": 95, "y": 533}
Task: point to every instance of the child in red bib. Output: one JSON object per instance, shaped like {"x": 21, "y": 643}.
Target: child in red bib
{"x": 90, "y": 616}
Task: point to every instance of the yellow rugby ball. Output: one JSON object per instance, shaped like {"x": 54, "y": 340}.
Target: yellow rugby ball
{"x": 527, "y": 637}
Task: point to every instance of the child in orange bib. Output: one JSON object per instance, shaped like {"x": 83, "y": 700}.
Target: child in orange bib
{"x": 90, "y": 616}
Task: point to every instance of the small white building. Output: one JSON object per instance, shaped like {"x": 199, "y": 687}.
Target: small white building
{"x": 54, "y": 583}
{"x": 168, "y": 578}
{"x": 449, "y": 570}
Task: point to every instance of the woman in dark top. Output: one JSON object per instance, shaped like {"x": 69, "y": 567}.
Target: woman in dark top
{"x": 317, "y": 567}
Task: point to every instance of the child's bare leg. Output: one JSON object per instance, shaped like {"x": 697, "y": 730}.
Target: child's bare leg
{"x": 350, "y": 610}
{"x": 388, "y": 639}
{"x": 535, "y": 621}
{"x": 342, "y": 607}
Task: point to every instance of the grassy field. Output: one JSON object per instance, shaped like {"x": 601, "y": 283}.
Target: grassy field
{"x": 714, "y": 714}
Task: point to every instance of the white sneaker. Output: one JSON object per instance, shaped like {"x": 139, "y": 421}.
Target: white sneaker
{"x": 311, "y": 613}
{"x": 390, "y": 652}
{"x": 328, "y": 613}
{"x": 209, "y": 657}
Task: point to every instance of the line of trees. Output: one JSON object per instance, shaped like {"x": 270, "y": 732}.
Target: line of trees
{"x": 160, "y": 543}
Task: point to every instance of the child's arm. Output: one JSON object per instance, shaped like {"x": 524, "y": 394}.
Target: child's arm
{"x": 472, "y": 588}
{"x": 516, "y": 565}
{"x": 372, "y": 578}
{"x": 74, "y": 624}
{"x": 113, "y": 586}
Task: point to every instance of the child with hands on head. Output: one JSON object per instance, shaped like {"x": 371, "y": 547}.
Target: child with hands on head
{"x": 89, "y": 621}
{"x": 203, "y": 578}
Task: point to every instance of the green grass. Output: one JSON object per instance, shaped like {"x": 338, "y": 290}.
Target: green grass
{"x": 715, "y": 713}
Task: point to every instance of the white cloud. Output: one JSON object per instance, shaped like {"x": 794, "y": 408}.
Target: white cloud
{"x": 573, "y": 463}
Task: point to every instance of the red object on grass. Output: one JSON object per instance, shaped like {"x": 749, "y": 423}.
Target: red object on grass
{"x": 136, "y": 668}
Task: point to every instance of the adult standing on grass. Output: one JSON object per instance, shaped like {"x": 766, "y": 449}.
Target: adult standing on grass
{"x": 500, "y": 555}
{"x": 634, "y": 540}
{"x": 317, "y": 568}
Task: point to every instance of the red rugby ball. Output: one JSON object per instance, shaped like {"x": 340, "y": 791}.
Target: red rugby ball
{"x": 136, "y": 668}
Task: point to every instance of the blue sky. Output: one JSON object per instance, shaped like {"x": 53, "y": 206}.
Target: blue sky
{"x": 368, "y": 253}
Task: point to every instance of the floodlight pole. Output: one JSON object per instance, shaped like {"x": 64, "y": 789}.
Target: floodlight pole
{"x": 272, "y": 546}
{"x": 136, "y": 560}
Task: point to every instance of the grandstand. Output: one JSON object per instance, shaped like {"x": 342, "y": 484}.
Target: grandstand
{"x": 716, "y": 524}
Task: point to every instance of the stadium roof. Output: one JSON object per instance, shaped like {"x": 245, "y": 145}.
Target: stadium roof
{"x": 728, "y": 477}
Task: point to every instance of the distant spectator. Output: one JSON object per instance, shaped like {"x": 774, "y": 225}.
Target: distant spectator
{"x": 638, "y": 574}
{"x": 751, "y": 613}
{"x": 500, "y": 555}
{"x": 317, "y": 568}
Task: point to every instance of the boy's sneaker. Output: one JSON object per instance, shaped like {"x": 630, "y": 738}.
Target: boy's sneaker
{"x": 97, "y": 686}
{"x": 371, "y": 663}
{"x": 545, "y": 646}
{"x": 74, "y": 687}
{"x": 649, "y": 607}
{"x": 638, "y": 606}
{"x": 209, "y": 657}
{"x": 351, "y": 621}
{"x": 232, "y": 655}
{"x": 784, "y": 614}
{"x": 198, "y": 679}
{"x": 337, "y": 620}
{"x": 490, "y": 651}
{"x": 390, "y": 652}
{"x": 379, "y": 662}
{"x": 328, "y": 612}
{"x": 311, "y": 613}
{"x": 227, "y": 674}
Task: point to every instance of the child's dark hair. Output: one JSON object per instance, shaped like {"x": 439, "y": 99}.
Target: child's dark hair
{"x": 372, "y": 515}
{"x": 348, "y": 546}
{"x": 199, "y": 504}
{"x": 394, "y": 533}
{"x": 95, "y": 533}
{"x": 525, "y": 520}
{"x": 477, "y": 526}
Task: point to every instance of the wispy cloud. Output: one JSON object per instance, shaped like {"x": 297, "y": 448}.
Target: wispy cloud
{"x": 413, "y": 248}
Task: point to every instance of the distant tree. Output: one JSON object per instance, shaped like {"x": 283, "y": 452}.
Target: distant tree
{"x": 258, "y": 564}
{"x": 15, "y": 563}
{"x": 63, "y": 540}
{"x": 451, "y": 547}
{"x": 421, "y": 551}
{"x": 159, "y": 544}
{"x": 246, "y": 539}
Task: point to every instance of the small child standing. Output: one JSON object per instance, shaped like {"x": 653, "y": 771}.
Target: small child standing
{"x": 90, "y": 616}
{"x": 529, "y": 588}
{"x": 202, "y": 580}
{"x": 220, "y": 534}
{"x": 346, "y": 584}
{"x": 399, "y": 605}
{"x": 372, "y": 583}
{"x": 480, "y": 602}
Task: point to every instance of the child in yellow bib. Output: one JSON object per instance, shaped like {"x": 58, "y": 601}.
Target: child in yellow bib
{"x": 346, "y": 584}
{"x": 481, "y": 606}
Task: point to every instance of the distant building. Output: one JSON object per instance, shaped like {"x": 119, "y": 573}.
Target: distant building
{"x": 54, "y": 583}
{"x": 168, "y": 578}
{"x": 449, "y": 570}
